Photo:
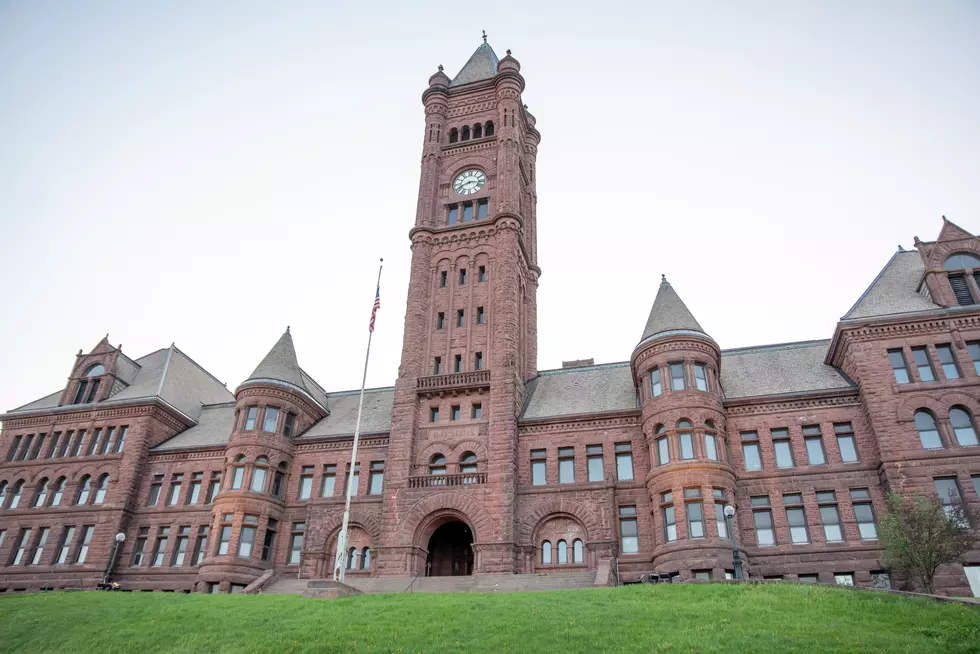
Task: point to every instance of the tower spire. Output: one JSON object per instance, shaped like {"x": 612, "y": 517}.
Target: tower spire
{"x": 484, "y": 36}
{"x": 669, "y": 313}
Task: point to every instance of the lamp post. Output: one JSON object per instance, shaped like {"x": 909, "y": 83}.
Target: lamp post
{"x": 736, "y": 560}
{"x": 107, "y": 577}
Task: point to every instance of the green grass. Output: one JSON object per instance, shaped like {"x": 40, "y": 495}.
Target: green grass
{"x": 677, "y": 618}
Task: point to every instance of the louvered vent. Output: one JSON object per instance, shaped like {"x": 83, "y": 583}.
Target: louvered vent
{"x": 961, "y": 290}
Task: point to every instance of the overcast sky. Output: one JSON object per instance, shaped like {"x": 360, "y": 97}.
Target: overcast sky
{"x": 210, "y": 172}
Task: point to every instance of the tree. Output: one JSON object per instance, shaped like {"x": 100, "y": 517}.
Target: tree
{"x": 921, "y": 533}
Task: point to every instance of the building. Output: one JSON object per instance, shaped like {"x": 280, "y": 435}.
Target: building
{"x": 476, "y": 462}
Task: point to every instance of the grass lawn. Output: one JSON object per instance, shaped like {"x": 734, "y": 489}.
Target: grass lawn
{"x": 681, "y": 618}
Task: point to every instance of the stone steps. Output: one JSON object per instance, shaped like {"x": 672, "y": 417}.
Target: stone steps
{"x": 468, "y": 584}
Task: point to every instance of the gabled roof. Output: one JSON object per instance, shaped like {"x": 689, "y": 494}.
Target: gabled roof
{"x": 779, "y": 370}
{"x": 895, "y": 289}
{"x": 481, "y": 65}
{"x": 167, "y": 374}
{"x": 952, "y": 232}
{"x": 669, "y": 314}
{"x": 213, "y": 429}
{"x": 573, "y": 391}
{"x": 375, "y": 416}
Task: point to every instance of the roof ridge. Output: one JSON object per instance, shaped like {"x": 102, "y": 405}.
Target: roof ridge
{"x": 790, "y": 344}
{"x": 357, "y": 390}
{"x": 199, "y": 366}
{"x": 215, "y": 405}
{"x": 557, "y": 371}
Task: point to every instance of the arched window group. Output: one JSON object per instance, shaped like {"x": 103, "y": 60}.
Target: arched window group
{"x": 468, "y": 470}
{"x": 465, "y": 133}
{"x": 46, "y": 492}
{"x": 85, "y": 490}
{"x": 963, "y": 270}
{"x": 961, "y": 422}
{"x": 88, "y": 388}
{"x": 358, "y": 559}
{"x": 688, "y": 444}
{"x": 559, "y": 554}
{"x": 256, "y": 476}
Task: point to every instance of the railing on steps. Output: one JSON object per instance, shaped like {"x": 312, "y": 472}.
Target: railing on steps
{"x": 617, "y": 572}
{"x": 414, "y": 579}
{"x": 438, "y": 481}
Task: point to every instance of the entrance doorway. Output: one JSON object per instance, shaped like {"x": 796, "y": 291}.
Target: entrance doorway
{"x": 450, "y": 551}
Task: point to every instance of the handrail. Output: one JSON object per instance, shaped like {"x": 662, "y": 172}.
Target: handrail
{"x": 438, "y": 481}
{"x": 617, "y": 572}
{"x": 414, "y": 579}
{"x": 449, "y": 380}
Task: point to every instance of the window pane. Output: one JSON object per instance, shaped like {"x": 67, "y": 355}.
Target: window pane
{"x": 814, "y": 451}
{"x": 945, "y": 353}
{"x": 538, "y": 473}
{"x": 711, "y": 447}
{"x": 595, "y": 468}
{"x": 700, "y": 377}
{"x": 784, "y": 454}
{"x": 566, "y": 471}
{"x": 962, "y": 427}
{"x": 928, "y": 434}
{"x": 720, "y": 521}
{"x": 676, "y": 376}
{"x": 922, "y": 364}
{"x": 624, "y": 467}
{"x": 752, "y": 459}
{"x": 687, "y": 445}
{"x": 897, "y": 360}
{"x": 848, "y": 452}
{"x": 663, "y": 451}
{"x": 656, "y": 384}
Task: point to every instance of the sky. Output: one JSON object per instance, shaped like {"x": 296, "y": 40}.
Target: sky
{"x": 209, "y": 172}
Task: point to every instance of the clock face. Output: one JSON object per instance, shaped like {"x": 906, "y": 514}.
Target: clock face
{"x": 469, "y": 182}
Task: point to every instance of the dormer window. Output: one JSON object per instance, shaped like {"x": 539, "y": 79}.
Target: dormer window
{"x": 966, "y": 265}
{"x": 88, "y": 388}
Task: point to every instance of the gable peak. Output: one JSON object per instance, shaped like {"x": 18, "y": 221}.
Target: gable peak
{"x": 669, "y": 313}
{"x": 952, "y": 232}
{"x": 481, "y": 65}
{"x": 280, "y": 363}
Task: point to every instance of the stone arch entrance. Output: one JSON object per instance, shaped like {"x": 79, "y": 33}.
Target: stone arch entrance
{"x": 450, "y": 550}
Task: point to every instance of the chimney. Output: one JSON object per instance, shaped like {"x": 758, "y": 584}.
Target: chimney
{"x": 578, "y": 363}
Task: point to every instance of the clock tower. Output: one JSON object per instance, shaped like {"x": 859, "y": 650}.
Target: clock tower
{"x": 470, "y": 339}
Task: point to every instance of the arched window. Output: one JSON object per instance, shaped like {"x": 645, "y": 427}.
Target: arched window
{"x": 278, "y": 484}
{"x": 489, "y": 128}
{"x": 477, "y": 131}
{"x": 100, "y": 489}
{"x": 437, "y": 465}
{"x": 686, "y": 439}
{"x": 365, "y": 558}
{"x": 960, "y": 261}
{"x": 467, "y": 463}
{"x": 578, "y": 554}
{"x": 351, "y": 558}
{"x": 710, "y": 424}
{"x": 453, "y": 135}
{"x": 86, "y": 392}
{"x": 15, "y": 494}
{"x": 928, "y": 433}
{"x": 42, "y": 492}
{"x": 95, "y": 370}
{"x": 659, "y": 429}
{"x": 238, "y": 473}
{"x": 3, "y": 494}
{"x": 962, "y": 422}
{"x": 546, "y": 553}
{"x": 465, "y": 133}
{"x": 59, "y": 490}
{"x": 562, "y": 552}
{"x": 84, "y": 490}
{"x": 259, "y": 474}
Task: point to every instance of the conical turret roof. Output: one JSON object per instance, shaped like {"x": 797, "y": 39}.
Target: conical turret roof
{"x": 280, "y": 364}
{"x": 669, "y": 314}
{"x": 481, "y": 65}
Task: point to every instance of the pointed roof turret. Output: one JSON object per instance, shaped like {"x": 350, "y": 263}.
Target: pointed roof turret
{"x": 669, "y": 314}
{"x": 952, "y": 232}
{"x": 481, "y": 65}
{"x": 280, "y": 364}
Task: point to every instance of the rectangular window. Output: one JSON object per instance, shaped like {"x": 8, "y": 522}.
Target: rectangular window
{"x": 687, "y": 445}
{"x": 352, "y": 479}
{"x": 287, "y": 428}
{"x": 305, "y": 482}
{"x": 478, "y": 361}
{"x": 21, "y": 547}
{"x": 296, "y": 543}
{"x": 93, "y": 443}
{"x": 194, "y": 490}
{"x": 462, "y": 276}
{"x": 453, "y": 216}
{"x": 64, "y": 551}
{"x": 922, "y": 364}
{"x": 480, "y": 316}
{"x": 721, "y": 522}
{"x": 433, "y": 414}
{"x": 949, "y": 492}
{"x": 467, "y": 212}
{"x": 13, "y": 447}
{"x": 624, "y": 461}
{"x": 656, "y": 384}
{"x": 251, "y": 414}
{"x": 482, "y": 209}
{"x": 844, "y": 578}
{"x": 246, "y": 538}
{"x": 539, "y": 459}
{"x": 950, "y": 369}
{"x": 201, "y": 545}
{"x": 677, "y": 376}
{"x": 106, "y": 440}
{"x": 566, "y": 465}
{"x": 782, "y": 447}
{"x": 796, "y": 517}
{"x": 670, "y": 519}
{"x": 53, "y": 449}
{"x": 76, "y": 448}
{"x": 268, "y": 543}
{"x": 154, "y": 496}
{"x": 711, "y": 447}
{"x": 42, "y": 539}
{"x": 695, "y": 519}
{"x": 663, "y": 451}
{"x": 813, "y": 440}
{"x": 271, "y": 419}
{"x": 121, "y": 439}
{"x": 830, "y": 516}
{"x": 476, "y": 413}
{"x": 700, "y": 377}
{"x": 80, "y": 393}
{"x": 440, "y": 320}
{"x": 224, "y": 534}
{"x": 174, "y": 493}
{"x": 458, "y": 363}
{"x": 974, "y": 350}
{"x": 437, "y": 366}
{"x": 27, "y": 447}
{"x": 976, "y": 484}
{"x": 180, "y": 546}
{"x": 765, "y": 535}
{"x": 442, "y": 279}
{"x": 63, "y": 450}
{"x": 628, "y": 532}
{"x": 750, "y": 450}
{"x": 329, "y": 480}
{"x": 460, "y": 318}
{"x": 160, "y": 548}
{"x": 845, "y": 442}
{"x": 214, "y": 486}
{"x": 897, "y": 359}
{"x": 864, "y": 513}
{"x": 139, "y": 547}
{"x": 377, "y": 477}
{"x": 593, "y": 454}
{"x": 483, "y": 273}
{"x": 36, "y": 450}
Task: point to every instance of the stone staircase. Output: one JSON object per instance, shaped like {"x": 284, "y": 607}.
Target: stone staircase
{"x": 469, "y": 584}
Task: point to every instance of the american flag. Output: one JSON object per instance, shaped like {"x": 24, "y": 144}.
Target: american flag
{"x": 374, "y": 311}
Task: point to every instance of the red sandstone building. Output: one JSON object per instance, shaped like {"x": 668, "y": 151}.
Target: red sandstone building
{"x": 476, "y": 462}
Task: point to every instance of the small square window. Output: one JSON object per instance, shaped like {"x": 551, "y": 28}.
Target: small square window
{"x": 458, "y": 363}
{"x": 460, "y": 320}
{"x": 433, "y": 414}
{"x": 480, "y": 316}
{"x": 437, "y": 366}
{"x": 440, "y": 320}
{"x": 478, "y": 361}
{"x": 454, "y": 413}
{"x": 482, "y": 274}
{"x": 477, "y": 412}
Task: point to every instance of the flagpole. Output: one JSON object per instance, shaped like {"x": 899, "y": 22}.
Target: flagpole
{"x": 338, "y": 566}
